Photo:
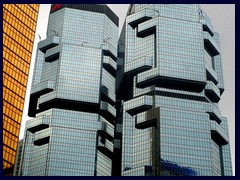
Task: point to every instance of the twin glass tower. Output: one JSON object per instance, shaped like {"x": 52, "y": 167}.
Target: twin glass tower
{"x": 145, "y": 104}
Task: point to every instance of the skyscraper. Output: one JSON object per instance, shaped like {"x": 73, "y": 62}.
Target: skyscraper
{"x": 16, "y": 171}
{"x": 73, "y": 94}
{"x": 19, "y": 25}
{"x": 170, "y": 80}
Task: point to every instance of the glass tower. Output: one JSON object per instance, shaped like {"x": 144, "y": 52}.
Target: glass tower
{"x": 18, "y": 159}
{"x": 19, "y": 25}
{"x": 170, "y": 80}
{"x": 72, "y": 97}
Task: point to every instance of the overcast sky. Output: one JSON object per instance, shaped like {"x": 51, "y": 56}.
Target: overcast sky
{"x": 223, "y": 20}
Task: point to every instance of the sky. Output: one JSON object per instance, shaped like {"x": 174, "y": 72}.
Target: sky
{"x": 223, "y": 20}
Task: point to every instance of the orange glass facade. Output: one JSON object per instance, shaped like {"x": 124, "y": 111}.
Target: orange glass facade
{"x": 19, "y": 25}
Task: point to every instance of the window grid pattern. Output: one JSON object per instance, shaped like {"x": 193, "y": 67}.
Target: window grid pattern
{"x": 185, "y": 135}
{"x": 216, "y": 159}
{"x": 218, "y": 64}
{"x": 77, "y": 76}
{"x": 19, "y": 25}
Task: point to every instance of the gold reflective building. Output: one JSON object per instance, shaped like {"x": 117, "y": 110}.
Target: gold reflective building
{"x": 19, "y": 25}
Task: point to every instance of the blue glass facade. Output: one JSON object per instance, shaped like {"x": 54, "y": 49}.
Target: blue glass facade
{"x": 73, "y": 94}
{"x": 143, "y": 105}
{"x": 170, "y": 78}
